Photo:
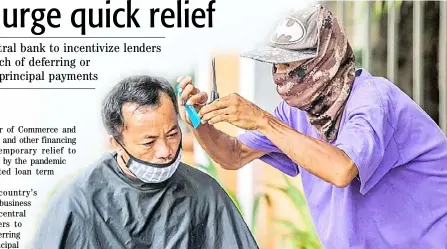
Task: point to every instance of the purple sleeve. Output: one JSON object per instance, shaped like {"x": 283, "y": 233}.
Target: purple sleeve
{"x": 275, "y": 157}
{"x": 364, "y": 138}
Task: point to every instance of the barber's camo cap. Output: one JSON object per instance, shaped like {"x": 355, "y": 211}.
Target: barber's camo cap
{"x": 294, "y": 39}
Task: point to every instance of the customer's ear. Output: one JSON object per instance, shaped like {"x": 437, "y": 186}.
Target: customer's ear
{"x": 115, "y": 145}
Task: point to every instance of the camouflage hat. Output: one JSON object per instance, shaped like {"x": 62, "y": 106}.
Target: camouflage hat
{"x": 295, "y": 39}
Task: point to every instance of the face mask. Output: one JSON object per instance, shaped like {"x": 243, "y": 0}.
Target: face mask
{"x": 152, "y": 172}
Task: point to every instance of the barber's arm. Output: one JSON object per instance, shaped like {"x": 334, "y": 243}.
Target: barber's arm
{"x": 224, "y": 149}
{"x": 319, "y": 158}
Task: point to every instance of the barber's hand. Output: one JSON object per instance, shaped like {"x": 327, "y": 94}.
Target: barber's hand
{"x": 191, "y": 94}
{"x": 235, "y": 110}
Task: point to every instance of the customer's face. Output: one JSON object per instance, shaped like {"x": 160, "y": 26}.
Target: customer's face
{"x": 151, "y": 134}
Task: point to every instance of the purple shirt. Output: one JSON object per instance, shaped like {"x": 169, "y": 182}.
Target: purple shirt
{"x": 399, "y": 200}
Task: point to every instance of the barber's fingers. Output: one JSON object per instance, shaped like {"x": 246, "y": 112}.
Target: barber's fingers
{"x": 198, "y": 99}
{"x": 189, "y": 91}
{"x": 215, "y": 105}
{"x": 180, "y": 78}
{"x": 210, "y": 115}
{"x": 221, "y": 118}
{"x": 184, "y": 81}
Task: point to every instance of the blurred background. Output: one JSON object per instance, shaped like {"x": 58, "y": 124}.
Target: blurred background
{"x": 404, "y": 41}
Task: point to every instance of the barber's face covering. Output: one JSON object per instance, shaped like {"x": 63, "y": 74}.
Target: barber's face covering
{"x": 321, "y": 86}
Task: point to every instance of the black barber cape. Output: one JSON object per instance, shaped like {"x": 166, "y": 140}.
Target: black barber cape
{"x": 103, "y": 209}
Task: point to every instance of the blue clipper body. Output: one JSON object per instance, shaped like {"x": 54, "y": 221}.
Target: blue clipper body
{"x": 191, "y": 111}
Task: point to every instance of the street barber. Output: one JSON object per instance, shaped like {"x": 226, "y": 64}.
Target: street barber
{"x": 373, "y": 163}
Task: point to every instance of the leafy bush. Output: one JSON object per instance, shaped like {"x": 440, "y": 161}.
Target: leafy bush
{"x": 297, "y": 238}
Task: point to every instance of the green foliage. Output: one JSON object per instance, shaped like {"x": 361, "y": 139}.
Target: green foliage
{"x": 257, "y": 201}
{"x": 358, "y": 58}
{"x": 380, "y": 8}
{"x": 297, "y": 237}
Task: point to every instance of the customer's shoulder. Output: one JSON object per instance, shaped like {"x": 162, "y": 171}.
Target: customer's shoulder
{"x": 73, "y": 190}
{"x": 194, "y": 174}
{"x": 80, "y": 180}
{"x": 67, "y": 196}
{"x": 198, "y": 179}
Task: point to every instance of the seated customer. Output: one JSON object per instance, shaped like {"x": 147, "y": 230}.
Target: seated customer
{"x": 142, "y": 195}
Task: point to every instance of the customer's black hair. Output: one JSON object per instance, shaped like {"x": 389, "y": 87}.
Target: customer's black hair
{"x": 142, "y": 90}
